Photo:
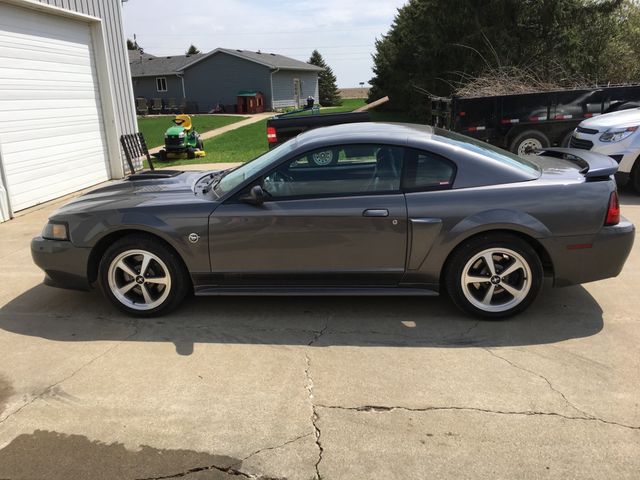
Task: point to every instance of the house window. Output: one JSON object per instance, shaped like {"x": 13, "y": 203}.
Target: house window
{"x": 161, "y": 84}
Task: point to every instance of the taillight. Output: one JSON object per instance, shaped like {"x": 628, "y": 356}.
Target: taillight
{"x": 613, "y": 212}
{"x": 271, "y": 135}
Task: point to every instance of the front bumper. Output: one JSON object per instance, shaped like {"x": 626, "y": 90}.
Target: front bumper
{"x": 624, "y": 152}
{"x": 588, "y": 258}
{"x": 64, "y": 264}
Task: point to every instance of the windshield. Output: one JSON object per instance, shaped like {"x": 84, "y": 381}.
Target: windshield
{"x": 238, "y": 175}
{"x": 486, "y": 149}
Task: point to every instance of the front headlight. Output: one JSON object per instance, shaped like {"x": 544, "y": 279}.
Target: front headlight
{"x": 181, "y": 135}
{"x": 617, "y": 134}
{"x": 55, "y": 231}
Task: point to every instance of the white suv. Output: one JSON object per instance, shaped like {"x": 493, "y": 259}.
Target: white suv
{"x": 615, "y": 134}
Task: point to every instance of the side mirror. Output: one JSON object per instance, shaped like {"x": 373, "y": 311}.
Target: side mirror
{"x": 256, "y": 196}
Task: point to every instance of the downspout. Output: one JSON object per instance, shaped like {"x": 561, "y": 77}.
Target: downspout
{"x": 181, "y": 77}
{"x": 273, "y": 109}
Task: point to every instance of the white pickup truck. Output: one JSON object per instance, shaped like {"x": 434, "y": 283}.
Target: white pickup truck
{"x": 617, "y": 135}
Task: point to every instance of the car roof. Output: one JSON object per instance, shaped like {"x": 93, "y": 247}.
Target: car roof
{"x": 477, "y": 164}
{"x": 383, "y": 132}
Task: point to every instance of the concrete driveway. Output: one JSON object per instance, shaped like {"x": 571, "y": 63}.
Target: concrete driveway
{"x": 301, "y": 388}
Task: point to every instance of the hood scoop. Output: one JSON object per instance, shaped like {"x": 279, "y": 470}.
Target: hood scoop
{"x": 154, "y": 175}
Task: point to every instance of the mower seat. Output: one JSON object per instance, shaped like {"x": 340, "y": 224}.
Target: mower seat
{"x": 184, "y": 121}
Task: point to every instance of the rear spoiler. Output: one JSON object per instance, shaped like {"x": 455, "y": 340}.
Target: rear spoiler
{"x": 593, "y": 165}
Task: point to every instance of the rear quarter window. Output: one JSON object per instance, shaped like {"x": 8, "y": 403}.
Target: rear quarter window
{"x": 427, "y": 171}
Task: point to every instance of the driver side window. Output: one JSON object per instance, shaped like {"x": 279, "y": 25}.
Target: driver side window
{"x": 338, "y": 170}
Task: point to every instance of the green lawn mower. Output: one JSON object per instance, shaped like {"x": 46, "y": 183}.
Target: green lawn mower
{"x": 181, "y": 140}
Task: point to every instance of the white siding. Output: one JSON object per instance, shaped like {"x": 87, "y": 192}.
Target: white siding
{"x": 51, "y": 123}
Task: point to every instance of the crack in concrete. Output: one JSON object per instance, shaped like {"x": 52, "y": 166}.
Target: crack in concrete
{"x": 384, "y": 408}
{"x": 321, "y": 332}
{"x": 515, "y": 365}
{"x": 314, "y": 414}
{"x": 71, "y": 375}
{"x": 231, "y": 469}
{"x": 266, "y": 449}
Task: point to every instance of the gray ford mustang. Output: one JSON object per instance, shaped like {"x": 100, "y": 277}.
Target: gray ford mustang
{"x": 359, "y": 209}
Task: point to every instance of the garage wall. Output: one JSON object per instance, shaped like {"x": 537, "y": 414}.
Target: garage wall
{"x": 111, "y": 52}
{"x": 110, "y": 12}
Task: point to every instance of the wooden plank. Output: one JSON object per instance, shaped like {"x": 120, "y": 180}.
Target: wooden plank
{"x": 371, "y": 105}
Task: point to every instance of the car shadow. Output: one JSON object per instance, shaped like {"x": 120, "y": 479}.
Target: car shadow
{"x": 628, "y": 196}
{"x": 67, "y": 316}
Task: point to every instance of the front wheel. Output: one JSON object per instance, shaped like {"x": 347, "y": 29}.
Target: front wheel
{"x": 494, "y": 276}
{"x": 143, "y": 277}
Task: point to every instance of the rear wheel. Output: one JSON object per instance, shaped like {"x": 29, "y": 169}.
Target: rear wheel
{"x": 143, "y": 277}
{"x": 494, "y": 276}
{"x": 527, "y": 142}
{"x": 191, "y": 153}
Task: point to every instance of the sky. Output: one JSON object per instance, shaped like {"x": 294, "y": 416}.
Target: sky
{"x": 344, "y": 31}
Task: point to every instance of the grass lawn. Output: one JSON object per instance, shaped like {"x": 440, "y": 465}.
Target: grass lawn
{"x": 240, "y": 145}
{"x": 248, "y": 142}
{"x": 348, "y": 105}
{"x": 153, "y": 128}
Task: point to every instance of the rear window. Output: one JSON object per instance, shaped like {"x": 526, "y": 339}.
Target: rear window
{"x": 488, "y": 150}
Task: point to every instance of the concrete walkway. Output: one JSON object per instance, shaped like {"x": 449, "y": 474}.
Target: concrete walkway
{"x": 227, "y": 128}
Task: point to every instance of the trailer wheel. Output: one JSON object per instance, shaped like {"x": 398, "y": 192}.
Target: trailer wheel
{"x": 527, "y": 142}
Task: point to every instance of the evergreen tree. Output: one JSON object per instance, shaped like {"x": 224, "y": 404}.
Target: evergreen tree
{"x": 328, "y": 90}
{"x": 193, "y": 50}
{"x": 432, "y": 44}
{"x": 132, "y": 44}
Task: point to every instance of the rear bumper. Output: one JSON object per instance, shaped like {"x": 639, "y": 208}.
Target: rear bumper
{"x": 64, "y": 265}
{"x": 583, "y": 259}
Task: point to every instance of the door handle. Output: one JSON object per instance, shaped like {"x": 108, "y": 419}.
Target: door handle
{"x": 376, "y": 212}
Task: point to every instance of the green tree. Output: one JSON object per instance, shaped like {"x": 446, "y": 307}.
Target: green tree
{"x": 432, "y": 45}
{"x": 328, "y": 89}
{"x": 192, "y": 50}
{"x": 132, "y": 44}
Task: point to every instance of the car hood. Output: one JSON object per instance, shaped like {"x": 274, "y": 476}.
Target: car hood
{"x": 140, "y": 191}
{"x": 624, "y": 118}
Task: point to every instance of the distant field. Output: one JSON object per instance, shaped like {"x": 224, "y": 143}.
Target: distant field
{"x": 362, "y": 92}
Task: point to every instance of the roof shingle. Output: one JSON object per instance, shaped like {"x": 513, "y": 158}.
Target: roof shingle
{"x": 146, "y": 64}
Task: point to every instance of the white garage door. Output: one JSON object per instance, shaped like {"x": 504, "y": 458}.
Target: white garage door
{"x": 52, "y": 138}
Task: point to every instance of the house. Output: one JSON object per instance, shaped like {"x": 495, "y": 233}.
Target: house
{"x": 216, "y": 78}
{"x": 65, "y": 98}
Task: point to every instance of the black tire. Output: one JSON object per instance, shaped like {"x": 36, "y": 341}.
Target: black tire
{"x": 200, "y": 144}
{"x": 530, "y": 138}
{"x": 460, "y": 263}
{"x": 124, "y": 249}
{"x": 634, "y": 177}
{"x": 162, "y": 155}
{"x": 191, "y": 153}
{"x": 566, "y": 140}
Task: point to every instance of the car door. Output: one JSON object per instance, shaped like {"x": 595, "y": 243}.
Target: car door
{"x": 333, "y": 216}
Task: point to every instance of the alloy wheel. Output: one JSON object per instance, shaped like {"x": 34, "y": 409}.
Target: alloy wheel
{"x": 139, "y": 279}
{"x": 496, "y": 279}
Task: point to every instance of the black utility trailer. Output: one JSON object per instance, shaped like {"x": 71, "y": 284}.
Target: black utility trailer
{"x": 529, "y": 121}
